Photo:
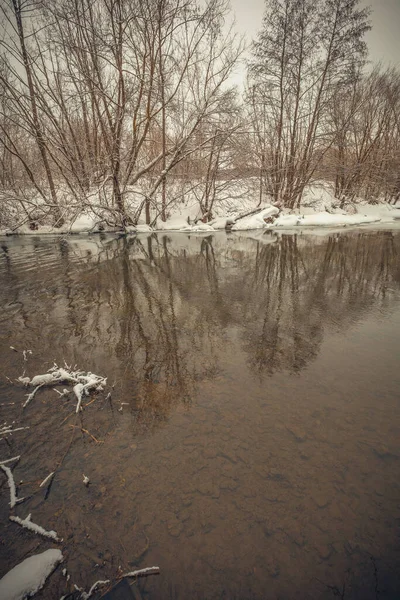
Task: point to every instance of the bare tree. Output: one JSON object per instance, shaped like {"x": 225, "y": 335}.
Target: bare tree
{"x": 365, "y": 149}
{"x": 304, "y": 50}
{"x": 113, "y": 93}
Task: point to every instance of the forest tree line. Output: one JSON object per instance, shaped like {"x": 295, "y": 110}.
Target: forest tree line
{"x": 126, "y": 106}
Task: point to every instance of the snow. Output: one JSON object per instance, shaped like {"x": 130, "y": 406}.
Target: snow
{"x": 45, "y": 379}
{"x": 83, "y": 224}
{"x": 78, "y": 391}
{"x": 287, "y": 221}
{"x": 256, "y": 221}
{"x": 386, "y": 212}
{"x": 29, "y": 576}
{"x": 176, "y": 223}
{"x": 325, "y": 219}
{"x": 202, "y": 227}
{"x": 56, "y": 375}
{"x": 240, "y": 197}
{"x": 142, "y": 228}
{"x": 221, "y": 222}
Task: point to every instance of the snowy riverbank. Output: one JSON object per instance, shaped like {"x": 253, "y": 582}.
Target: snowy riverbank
{"x": 266, "y": 218}
{"x": 319, "y": 210}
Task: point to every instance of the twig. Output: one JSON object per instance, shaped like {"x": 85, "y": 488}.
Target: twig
{"x": 8, "y": 460}
{"x": 143, "y": 572}
{"x": 32, "y": 395}
{"x": 86, "y": 595}
{"x": 47, "y": 479}
{"x": 88, "y": 433}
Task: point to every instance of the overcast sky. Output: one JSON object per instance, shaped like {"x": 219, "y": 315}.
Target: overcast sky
{"x": 383, "y": 41}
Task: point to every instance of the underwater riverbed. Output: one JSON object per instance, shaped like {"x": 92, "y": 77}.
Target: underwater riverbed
{"x": 251, "y": 445}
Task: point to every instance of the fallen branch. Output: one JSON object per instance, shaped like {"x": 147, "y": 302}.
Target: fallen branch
{"x": 82, "y": 382}
{"x": 32, "y": 395}
{"x": 11, "y": 484}
{"x": 143, "y": 572}
{"x": 93, "y": 382}
{"x": 88, "y": 433}
{"x": 86, "y": 595}
{"x": 8, "y": 429}
{"x": 27, "y": 523}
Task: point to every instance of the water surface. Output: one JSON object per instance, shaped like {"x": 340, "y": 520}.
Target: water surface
{"x": 251, "y": 446}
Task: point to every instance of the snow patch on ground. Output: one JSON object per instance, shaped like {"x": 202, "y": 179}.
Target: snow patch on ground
{"x": 83, "y": 224}
{"x": 323, "y": 219}
{"x": 256, "y": 221}
{"x": 29, "y": 576}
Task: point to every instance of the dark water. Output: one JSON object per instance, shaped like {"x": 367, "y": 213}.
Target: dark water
{"x": 251, "y": 448}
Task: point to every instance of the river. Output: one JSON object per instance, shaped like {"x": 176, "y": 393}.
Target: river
{"x": 251, "y": 445}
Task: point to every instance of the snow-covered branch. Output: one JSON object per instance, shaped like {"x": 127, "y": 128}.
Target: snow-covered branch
{"x": 28, "y": 524}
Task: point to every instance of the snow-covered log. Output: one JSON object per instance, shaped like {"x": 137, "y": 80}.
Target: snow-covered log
{"x": 29, "y": 576}
{"x": 92, "y": 382}
{"x": 45, "y": 379}
{"x": 28, "y": 524}
{"x": 82, "y": 382}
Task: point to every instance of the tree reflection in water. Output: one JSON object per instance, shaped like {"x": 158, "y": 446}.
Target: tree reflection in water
{"x": 162, "y": 308}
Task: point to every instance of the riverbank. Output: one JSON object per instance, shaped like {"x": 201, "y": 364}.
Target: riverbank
{"x": 267, "y": 218}
{"x": 320, "y": 209}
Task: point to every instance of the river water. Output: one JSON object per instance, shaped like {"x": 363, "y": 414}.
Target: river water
{"x": 251, "y": 445}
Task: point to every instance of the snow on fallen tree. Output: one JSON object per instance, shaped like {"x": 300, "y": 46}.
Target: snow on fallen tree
{"x": 83, "y": 383}
{"x": 256, "y": 219}
{"x": 29, "y": 576}
{"x": 28, "y": 524}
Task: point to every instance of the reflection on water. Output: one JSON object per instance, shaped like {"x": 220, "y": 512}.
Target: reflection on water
{"x": 251, "y": 447}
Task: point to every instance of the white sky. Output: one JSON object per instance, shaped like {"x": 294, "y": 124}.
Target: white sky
{"x": 383, "y": 41}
